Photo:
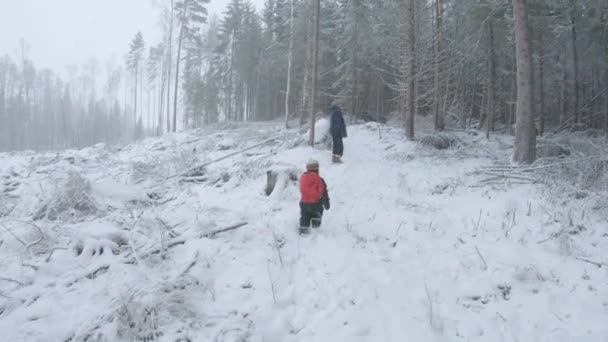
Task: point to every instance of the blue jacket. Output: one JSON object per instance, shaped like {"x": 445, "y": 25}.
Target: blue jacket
{"x": 337, "y": 126}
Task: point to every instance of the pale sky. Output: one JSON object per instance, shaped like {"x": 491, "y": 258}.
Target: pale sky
{"x": 67, "y": 32}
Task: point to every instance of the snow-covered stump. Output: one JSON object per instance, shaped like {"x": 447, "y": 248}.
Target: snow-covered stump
{"x": 279, "y": 178}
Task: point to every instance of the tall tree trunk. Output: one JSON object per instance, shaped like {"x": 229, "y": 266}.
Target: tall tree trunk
{"x": 492, "y": 83}
{"x": 315, "y": 71}
{"x": 513, "y": 105}
{"x": 161, "y": 97}
{"x": 411, "y": 91}
{"x": 135, "y": 96}
{"x": 179, "y": 55}
{"x": 169, "y": 57}
{"x": 525, "y": 135}
{"x": 289, "y": 63}
{"x": 438, "y": 95}
{"x": 355, "y": 71}
{"x": 575, "y": 73}
{"x": 149, "y": 99}
{"x": 541, "y": 77}
{"x": 563, "y": 118}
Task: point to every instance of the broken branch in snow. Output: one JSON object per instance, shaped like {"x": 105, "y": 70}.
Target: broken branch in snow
{"x": 34, "y": 267}
{"x": 191, "y": 265}
{"x": 274, "y": 294}
{"x": 14, "y": 235}
{"x": 428, "y": 297}
{"x": 48, "y": 258}
{"x": 216, "y": 160}
{"x": 596, "y": 264}
{"x": 26, "y": 245}
{"x": 181, "y": 241}
{"x": 485, "y": 265}
{"x": 227, "y": 229}
{"x": 195, "y": 179}
{"x": 91, "y": 275}
{"x": 12, "y": 281}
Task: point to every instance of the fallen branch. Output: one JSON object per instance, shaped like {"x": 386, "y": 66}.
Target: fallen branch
{"x": 428, "y": 297}
{"x": 191, "y": 265}
{"x": 48, "y": 258}
{"x": 177, "y": 242}
{"x": 12, "y": 281}
{"x": 14, "y": 235}
{"x": 91, "y": 275}
{"x": 196, "y": 179}
{"x": 34, "y": 267}
{"x": 26, "y": 245}
{"x": 594, "y": 263}
{"x": 216, "y": 160}
{"x": 223, "y": 230}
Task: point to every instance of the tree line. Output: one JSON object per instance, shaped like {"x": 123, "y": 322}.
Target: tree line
{"x": 456, "y": 61}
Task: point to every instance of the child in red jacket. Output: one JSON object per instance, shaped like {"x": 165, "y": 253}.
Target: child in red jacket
{"x": 315, "y": 197}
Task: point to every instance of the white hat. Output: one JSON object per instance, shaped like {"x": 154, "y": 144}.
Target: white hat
{"x": 312, "y": 165}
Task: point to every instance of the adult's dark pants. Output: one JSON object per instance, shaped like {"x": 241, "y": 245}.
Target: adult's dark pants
{"x": 338, "y": 146}
{"x": 311, "y": 214}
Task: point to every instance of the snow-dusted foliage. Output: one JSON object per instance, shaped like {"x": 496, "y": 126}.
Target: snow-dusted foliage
{"x": 72, "y": 198}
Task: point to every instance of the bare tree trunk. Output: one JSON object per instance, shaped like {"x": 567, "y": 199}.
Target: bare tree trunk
{"x": 575, "y": 73}
{"x": 289, "y": 63}
{"x": 169, "y": 56}
{"x": 563, "y": 118}
{"x": 355, "y": 47}
{"x": 135, "y": 96}
{"x": 438, "y": 98}
{"x": 315, "y": 71}
{"x": 541, "y": 77}
{"x": 161, "y": 96}
{"x": 492, "y": 85}
{"x": 179, "y": 55}
{"x": 525, "y": 135}
{"x": 411, "y": 91}
{"x": 513, "y": 97}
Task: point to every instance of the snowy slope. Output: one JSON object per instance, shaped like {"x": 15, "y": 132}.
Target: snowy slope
{"x": 415, "y": 248}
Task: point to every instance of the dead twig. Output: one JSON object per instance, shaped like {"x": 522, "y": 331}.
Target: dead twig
{"x": 26, "y": 245}
{"x": 597, "y": 264}
{"x": 48, "y": 258}
{"x": 14, "y": 235}
{"x": 191, "y": 265}
{"x": 485, "y": 265}
{"x": 274, "y": 295}
{"x": 223, "y": 230}
{"x": 430, "y": 300}
{"x": 12, "y": 281}
{"x": 90, "y": 275}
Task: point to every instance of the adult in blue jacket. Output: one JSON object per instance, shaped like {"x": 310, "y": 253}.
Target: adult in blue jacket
{"x": 337, "y": 129}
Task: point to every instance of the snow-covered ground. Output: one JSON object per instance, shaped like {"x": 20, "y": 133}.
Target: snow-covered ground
{"x": 416, "y": 247}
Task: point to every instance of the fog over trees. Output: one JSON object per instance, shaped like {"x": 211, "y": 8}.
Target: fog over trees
{"x": 457, "y": 61}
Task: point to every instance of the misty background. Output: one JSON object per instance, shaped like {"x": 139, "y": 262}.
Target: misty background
{"x": 59, "y": 33}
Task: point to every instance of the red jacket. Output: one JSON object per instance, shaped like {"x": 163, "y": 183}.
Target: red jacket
{"x": 312, "y": 188}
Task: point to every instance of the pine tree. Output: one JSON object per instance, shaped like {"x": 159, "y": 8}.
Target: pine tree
{"x": 191, "y": 14}
{"x": 134, "y": 61}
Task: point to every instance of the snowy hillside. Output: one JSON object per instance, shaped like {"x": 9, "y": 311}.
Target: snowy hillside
{"x": 102, "y": 244}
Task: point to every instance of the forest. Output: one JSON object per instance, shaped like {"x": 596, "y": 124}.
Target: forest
{"x": 381, "y": 60}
